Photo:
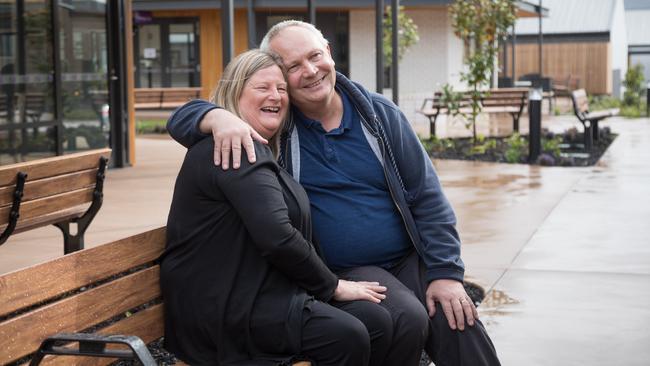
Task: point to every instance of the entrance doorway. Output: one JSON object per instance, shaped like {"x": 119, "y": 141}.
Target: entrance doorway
{"x": 167, "y": 53}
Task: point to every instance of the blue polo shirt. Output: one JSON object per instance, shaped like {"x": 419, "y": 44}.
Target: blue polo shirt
{"x": 353, "y": 214}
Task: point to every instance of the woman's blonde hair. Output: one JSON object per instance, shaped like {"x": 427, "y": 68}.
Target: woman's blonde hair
{"x": 231, "y": 86}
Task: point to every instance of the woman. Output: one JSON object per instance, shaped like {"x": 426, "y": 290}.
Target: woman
{"x": 240, "y": 279}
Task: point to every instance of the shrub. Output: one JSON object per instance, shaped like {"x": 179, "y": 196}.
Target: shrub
{"x": 633, "y": 86}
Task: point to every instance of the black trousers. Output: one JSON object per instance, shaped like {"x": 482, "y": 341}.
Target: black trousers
{"x": 330, "y": 337}
{"x": 412, "y": 329}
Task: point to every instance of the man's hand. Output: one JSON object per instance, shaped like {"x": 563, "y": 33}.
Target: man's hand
{"x": 361, "y": 290}
{"x": 456, "y": 304}
{"x": 230, "y": 133}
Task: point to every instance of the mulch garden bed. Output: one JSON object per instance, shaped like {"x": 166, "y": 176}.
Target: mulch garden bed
{"x": 565, "y": 149}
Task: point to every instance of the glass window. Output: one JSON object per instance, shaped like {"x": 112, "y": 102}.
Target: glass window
{"x": 84, "y": 75}
{"x": 27, "y": 126}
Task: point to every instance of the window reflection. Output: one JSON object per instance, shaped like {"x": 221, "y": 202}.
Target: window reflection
{"x": 84, "y": 79}
{"x": 27, "y": 127}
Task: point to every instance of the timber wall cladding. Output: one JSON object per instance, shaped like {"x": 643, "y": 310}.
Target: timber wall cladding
{"x": 590, "y": 62}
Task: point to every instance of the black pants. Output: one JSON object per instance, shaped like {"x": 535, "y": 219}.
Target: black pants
{"x": 330, "y": 337}
{"x": 412, "y": 329}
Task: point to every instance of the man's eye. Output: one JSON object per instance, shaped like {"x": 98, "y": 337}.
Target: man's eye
{"x": 293, "y": 68}
{"x": 316, "y": 56}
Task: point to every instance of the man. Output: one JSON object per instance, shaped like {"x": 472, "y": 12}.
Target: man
{"x": 378, "y": 209}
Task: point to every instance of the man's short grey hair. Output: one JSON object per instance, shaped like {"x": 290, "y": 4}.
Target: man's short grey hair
{"x": 276, "y": 29}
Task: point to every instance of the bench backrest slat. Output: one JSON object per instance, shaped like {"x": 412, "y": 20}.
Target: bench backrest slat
{"x": 48, "y": 205}
{"x": 50, "y": 186}
{"x": 49, "y": 167}
{"x": 22, "y": 335}
{"x": 580, "y": 101}
{"x": 146, "y": 324}
{"x": 50, "y": 279}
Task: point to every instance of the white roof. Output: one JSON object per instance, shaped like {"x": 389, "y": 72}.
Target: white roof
{"x": 570, "y": 16}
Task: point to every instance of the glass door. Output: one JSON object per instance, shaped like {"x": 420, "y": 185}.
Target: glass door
{"x": 167, "y": 53}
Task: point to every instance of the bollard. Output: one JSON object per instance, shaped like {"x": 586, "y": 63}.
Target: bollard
{"x": 647, "y": 99}
{"x": 534, "y": 123}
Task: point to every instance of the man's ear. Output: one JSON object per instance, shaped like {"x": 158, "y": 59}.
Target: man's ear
{"x": 329, "y": 51}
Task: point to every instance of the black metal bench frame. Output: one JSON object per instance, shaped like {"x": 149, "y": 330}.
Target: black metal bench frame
{"x": 71, "y": 242}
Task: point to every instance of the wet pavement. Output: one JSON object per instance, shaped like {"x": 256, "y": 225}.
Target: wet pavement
{"x": 564, "y": 251}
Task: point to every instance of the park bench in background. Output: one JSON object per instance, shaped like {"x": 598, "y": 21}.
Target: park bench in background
{"x": 54, "y": 191}
{"x": 105, "y": 301}
{"x": 508, "y": 100}
{"x": 164, "y": 98}
{"x": 588, "y": 119}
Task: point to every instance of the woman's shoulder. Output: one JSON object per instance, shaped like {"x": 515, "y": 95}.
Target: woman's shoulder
{"x": 203, "y": 153}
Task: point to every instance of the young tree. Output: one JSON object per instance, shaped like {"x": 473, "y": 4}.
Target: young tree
{"x": 633, "y": 86}
{"x": 480, "y": 24}
{"x": 408, "y": 34}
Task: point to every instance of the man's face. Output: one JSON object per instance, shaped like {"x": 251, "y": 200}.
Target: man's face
{"x": 309, "y": 64}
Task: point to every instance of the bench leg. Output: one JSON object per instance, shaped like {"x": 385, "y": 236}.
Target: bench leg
{"x": 515, "y": 122}
{"x": 432, "y": 126}
{"x": 588, "y": 135}
{"x": 594, "y": 129}
{"x": 72, "y": 243}
{"x": 94, "y": 345}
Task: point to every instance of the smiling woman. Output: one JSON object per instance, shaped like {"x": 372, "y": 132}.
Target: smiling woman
{"x": 240, "y": 276}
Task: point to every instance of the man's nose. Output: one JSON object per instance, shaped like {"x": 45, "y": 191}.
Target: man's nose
{"x": 311, "y": 69}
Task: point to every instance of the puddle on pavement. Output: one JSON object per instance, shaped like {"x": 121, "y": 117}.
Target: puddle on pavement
{"x": 496, "y": 302}
{"x": 512, "y": 182}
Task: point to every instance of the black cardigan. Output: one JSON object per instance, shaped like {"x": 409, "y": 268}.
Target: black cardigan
{"x": 237, "y": 256}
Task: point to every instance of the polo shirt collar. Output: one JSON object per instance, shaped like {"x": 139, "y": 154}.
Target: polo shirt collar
{"x": 346, "y": 121}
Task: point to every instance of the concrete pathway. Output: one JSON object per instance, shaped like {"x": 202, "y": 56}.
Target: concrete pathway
{"x": 564, "y": 251}
{"x": 578, "y": 292}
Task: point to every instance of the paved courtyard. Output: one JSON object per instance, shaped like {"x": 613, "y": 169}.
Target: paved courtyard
{"x": 565, "y": 252}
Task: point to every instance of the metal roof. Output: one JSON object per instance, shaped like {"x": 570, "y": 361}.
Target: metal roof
{"x": 571, "y": 16}
{"x": 638, "y": 27}
{"x": 637, "y": 4}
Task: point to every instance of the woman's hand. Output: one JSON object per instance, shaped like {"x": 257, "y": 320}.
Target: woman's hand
{"x": 230, "y": 133}
{"x": 352, "y": 290}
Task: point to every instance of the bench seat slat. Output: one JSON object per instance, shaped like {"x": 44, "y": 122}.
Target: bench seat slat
{"x": 49, "y": 167}
{"x": 50, "y": 186}
{"x": 22, "y": 335}
{"x": 47, "y": 205}
{"x": 146, "y": 324}
{"x": 58, "y": 276}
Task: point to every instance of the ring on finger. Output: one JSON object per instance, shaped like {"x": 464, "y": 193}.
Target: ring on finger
{"x": 462, "y": 300}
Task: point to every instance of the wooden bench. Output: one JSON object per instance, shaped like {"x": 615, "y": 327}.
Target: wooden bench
{"x": 508, "y": 100}
{"x": 104, "y": 302}
{"x": 588, "y": 119}
{"x": 164, "y": 98}
{"x": 28, "y": 107}
{"x": 63, "y": 190}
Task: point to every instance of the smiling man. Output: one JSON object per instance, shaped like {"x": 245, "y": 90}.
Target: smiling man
{"x": 378, "y": 209}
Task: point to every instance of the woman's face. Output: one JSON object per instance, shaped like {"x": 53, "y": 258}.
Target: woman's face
{"x": 264, "y": 101}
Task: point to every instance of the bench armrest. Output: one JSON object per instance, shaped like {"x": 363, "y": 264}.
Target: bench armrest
{"x": 424, "y": 103}
{"x": 94, "y": 345}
